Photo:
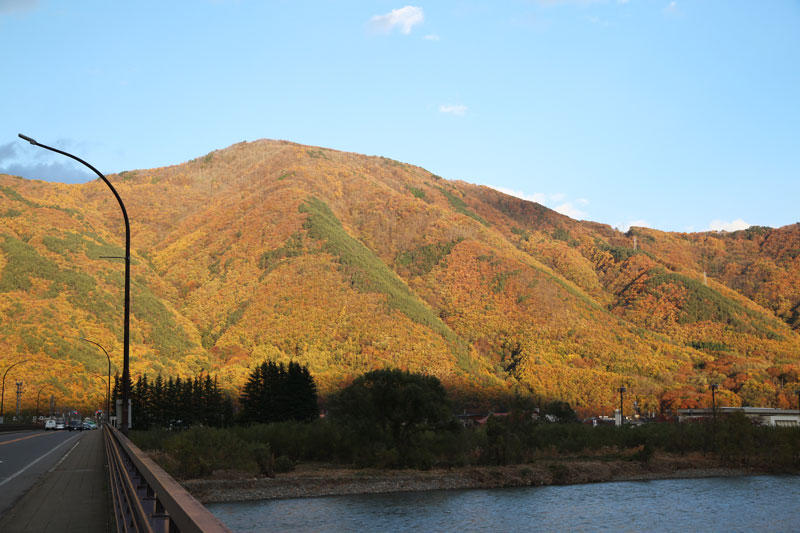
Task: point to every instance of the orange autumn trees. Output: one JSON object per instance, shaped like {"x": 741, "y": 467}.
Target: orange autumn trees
{"x": 347, "y": 263}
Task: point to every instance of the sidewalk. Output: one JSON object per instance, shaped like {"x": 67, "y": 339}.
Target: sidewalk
{"x": 73, "y": 497}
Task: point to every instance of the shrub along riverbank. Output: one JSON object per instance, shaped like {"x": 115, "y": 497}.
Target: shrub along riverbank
{"x": 264, "y": 449}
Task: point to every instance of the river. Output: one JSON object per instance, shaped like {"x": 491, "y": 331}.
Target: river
{"x": 756, "y": 503}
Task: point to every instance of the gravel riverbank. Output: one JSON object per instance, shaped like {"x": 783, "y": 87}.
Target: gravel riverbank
{"x": 320, "y": 480}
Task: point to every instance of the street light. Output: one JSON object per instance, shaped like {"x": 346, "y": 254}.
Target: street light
{"x": 38, "y": 395}
{"x": 3, "y": 393}
{"x": 621, "y": 416}
{"x": 108, "y": 383}
{"x": 127, "y": 319}
{"x": 714, "y": 388}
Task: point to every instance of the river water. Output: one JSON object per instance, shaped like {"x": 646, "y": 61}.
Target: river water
{"x": 757, "y": 503}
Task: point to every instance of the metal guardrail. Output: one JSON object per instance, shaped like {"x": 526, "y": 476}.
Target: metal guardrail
{"x": 146, "y": 498}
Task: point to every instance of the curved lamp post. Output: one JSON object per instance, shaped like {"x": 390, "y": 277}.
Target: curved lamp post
{"x": 622, "y": 391}
{"x": 38, "y": 395}
{"x": 126, "y": 326}
{"x": 108, "y": 383}
{"x": 3, "y": 393}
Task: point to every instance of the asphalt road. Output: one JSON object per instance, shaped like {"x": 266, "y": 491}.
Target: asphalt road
{"x": 25, "y": 456}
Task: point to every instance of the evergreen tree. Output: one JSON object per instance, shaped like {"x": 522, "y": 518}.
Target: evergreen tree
{"x": 275, "y": 393}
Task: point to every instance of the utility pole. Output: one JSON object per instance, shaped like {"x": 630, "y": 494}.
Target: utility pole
{"x": 714, "y": 388}
{"x": 19, "y": 396}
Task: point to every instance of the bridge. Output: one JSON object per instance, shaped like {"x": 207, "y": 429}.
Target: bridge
{"x": 86, "y": 481}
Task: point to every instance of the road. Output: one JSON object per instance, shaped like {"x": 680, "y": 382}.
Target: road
{"x": 25, "y": 456}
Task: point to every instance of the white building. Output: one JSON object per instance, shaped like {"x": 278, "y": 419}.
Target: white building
{"x": 766, "y": 416}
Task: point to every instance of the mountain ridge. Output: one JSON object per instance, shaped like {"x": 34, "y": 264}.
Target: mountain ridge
{"x": 272, "y": 249}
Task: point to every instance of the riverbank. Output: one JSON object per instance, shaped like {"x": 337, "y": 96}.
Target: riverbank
{"x": 320, "y": 480}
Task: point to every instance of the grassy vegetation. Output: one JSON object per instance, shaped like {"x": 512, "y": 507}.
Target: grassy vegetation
{"x": 523, "y": 233}
{"x": 316, "y": 154}
{"x": 365, "y": 270}
{"x": 621, "y": 253}
{"x": 709, "y": 346}
{"x": 209, "y": 337}
{"x": 14, "y": 195}
{"x": 293, "y": 247}
{"x": 706, "y": 304}
{"x": 459, "y": 205}
{"x": 419, "y": 193}
{"x": 734, "y": 440}
{"x": 166, "y": 335}
{"x": 423, "y": 259}
{"x": 70, "y": 242}
{"x": 498, "y": 283}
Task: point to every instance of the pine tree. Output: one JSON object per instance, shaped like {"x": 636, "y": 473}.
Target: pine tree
{"x": 275, "y": 393}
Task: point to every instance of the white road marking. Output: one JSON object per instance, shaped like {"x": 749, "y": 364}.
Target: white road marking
{"x": 12, "y": 476}
{"x": 65, "y": 456}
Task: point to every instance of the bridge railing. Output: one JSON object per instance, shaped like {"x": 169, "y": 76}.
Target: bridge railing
{"x": 146, "y": 498}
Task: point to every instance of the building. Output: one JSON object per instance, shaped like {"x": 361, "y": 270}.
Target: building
{"x": 765, "y": 416}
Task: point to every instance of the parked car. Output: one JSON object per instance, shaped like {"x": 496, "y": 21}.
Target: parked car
{"x": 50, "y": 423}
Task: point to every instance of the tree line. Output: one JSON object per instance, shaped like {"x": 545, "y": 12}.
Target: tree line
{"x": 273, "y": 392}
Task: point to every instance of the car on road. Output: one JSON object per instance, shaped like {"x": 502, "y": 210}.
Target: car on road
{"x": 50, "y": 423}
{"x": 75, "y": 425}
{"x": 60, "y": 423}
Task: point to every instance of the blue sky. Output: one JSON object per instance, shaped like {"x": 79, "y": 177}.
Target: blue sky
{"x": 679, "y": 115}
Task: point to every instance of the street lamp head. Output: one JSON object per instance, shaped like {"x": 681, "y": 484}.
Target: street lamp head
{"x": 622, "y": 389}
{"x": 714, "y": 386}
{"x": 25, "y": 137}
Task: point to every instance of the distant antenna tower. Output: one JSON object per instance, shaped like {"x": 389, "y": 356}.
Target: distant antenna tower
{"x": 634, "y": 243}
{"x": 705, "y": 279}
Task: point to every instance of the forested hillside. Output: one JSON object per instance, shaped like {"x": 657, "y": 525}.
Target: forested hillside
{"x": 347, "y": 263}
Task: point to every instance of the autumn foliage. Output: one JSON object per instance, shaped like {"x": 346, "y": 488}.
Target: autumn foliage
{"x": 346, "y": 263}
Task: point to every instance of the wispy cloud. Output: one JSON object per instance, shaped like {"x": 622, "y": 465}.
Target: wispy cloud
{"x": 404, "y": 19}
{"x": 8, "y": 151}
{"x": 734, "y": 225}
{"x": 12, "y": 6}
{"x": 457, "y": 109}
{"x": 431, "y": 37}
{"x": 37, "y": 165}
{"x": 672, "y": 8}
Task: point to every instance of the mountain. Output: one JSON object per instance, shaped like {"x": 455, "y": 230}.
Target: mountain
{"x": 347, "y": 263}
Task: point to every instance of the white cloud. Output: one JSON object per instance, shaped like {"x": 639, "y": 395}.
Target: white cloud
{"x": 628, "y": 225}
{"x": 431, "y": 37}
{"x": 538, "y": 197}
{"x": 734, "y": 225}
{"x": 571, "y": 210}
{"x": 458, "y": 109}
{"x": 404, "y": 18}
{"x": 555, "y": 201}
{"x": 671, "y": 8}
